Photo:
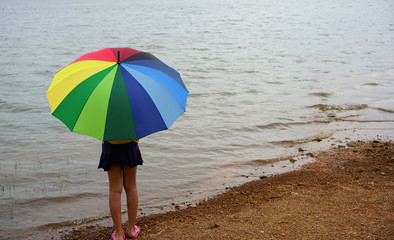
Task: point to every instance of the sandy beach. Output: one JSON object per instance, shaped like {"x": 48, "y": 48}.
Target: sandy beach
{"x": 347, "y": 193}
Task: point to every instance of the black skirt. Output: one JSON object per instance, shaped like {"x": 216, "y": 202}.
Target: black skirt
{"x": 127, "y": 154}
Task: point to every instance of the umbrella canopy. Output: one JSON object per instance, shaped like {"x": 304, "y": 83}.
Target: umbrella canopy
{"x": 117, "y": 94}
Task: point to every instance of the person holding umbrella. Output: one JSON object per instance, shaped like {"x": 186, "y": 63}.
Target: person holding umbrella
{"x": 118, "y": 95}
{"x": 120, "y": 159}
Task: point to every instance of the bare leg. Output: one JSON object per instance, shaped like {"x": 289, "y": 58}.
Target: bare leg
{"x": 115, "y": 193}
{"x": 130, "y": 186}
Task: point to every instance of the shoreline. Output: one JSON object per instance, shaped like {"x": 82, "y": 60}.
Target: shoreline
{"x": 348, "y": 168}
{"x": 345, "y": 193}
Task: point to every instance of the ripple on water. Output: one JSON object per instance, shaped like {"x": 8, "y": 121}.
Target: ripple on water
{"x": 371, "y": 84}
{"x": 322, "y": 94}
{"x": 343, "y": 107}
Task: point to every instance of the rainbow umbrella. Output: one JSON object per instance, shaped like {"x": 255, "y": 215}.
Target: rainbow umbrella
{"x": 117, "y": 94}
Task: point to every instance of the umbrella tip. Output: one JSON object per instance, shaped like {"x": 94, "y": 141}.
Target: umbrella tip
{"x": 118, "y": 57}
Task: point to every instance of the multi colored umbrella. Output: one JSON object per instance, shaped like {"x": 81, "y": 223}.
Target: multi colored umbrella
{"x": 117, "y": 94}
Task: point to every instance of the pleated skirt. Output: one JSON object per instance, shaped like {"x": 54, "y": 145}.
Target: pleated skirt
{"x": 127, "y": 154}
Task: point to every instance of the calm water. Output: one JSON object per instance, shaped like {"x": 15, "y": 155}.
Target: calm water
{"x": 265, "y": 77}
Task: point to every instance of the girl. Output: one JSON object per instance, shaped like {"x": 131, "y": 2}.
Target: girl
{"x": 120, "y": 159}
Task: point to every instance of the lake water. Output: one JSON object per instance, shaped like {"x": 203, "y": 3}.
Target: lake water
{"x": 265, "y": 77}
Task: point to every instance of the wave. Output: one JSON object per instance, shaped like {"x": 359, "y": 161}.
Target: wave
{"x": 362, "y": 121}
{"x": 50, "y": 200}
{"x": 223, "y": 93}
{"x": 322, "y": 94}
{"x": 288, "y": 124}
{"x": 15, "y": 108}
{"x": 200, "y": 49}
{"x": 279, "y": 125}
{"x": 4, "y": 105}
{"x": 302, "y": 141}
{"x": 348, "y": 107}
{"x": 43, "y": 72}
{"x": 343, "y": 107}
{"x": 372, "y": 84}
{"x": 384, "y": 110}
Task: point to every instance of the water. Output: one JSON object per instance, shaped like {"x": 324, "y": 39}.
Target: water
{"x": 264, "y": 78}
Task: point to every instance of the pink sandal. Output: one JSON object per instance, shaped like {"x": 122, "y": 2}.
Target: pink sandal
{"x": 137, "y": 231}
{"x": 114, "y": 236}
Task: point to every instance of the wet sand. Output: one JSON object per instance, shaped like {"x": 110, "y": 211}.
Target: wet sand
{"x": 347, "y": 193}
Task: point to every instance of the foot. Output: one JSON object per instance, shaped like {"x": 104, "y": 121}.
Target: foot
{"x": 116, "y": 236}
{"x": 133, "y": 234}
